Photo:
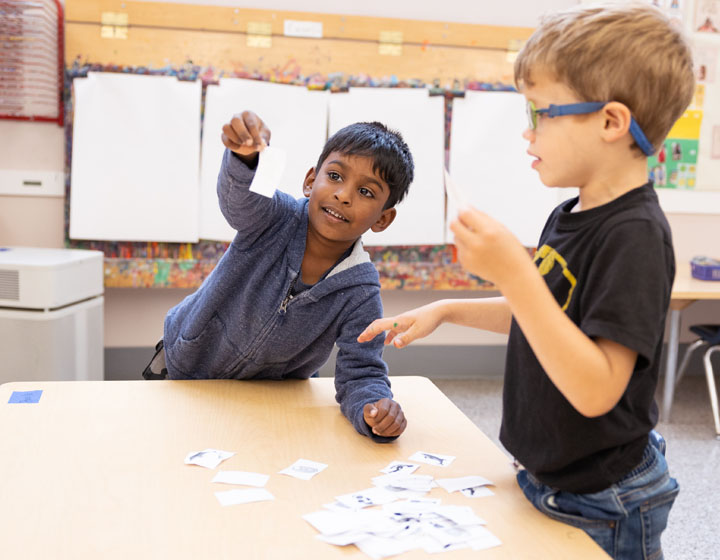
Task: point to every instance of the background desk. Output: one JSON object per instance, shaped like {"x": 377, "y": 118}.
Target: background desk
{"x": 686, "y": 290}
{"x": 95, "y": 470}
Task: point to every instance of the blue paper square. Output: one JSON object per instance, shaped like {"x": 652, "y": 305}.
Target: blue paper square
{"x": 30, "y": 397}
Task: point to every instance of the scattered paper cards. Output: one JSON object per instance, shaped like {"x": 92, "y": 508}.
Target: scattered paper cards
{"x": 406, "y": 520}
{"x": 211, "y": 458}
{"x": 391, "y": 517}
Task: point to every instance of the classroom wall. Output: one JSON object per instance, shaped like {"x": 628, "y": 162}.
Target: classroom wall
{"x": 133, "y": 317}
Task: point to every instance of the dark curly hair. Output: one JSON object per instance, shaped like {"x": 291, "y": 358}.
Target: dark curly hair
{"x": 391, "y": 156}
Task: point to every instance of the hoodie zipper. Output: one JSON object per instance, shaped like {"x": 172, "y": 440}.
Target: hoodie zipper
{"x": 288, "y": 296}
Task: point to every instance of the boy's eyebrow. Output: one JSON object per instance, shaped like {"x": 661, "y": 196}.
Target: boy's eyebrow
{"x": 367, "y": 179}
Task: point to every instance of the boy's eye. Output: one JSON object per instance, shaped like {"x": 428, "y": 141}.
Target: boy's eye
{"x": 334, "y": 175}
{"x": 364, "y": 191}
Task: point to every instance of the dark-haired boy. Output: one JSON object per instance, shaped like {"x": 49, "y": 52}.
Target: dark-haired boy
{"x": 295, "y": 281}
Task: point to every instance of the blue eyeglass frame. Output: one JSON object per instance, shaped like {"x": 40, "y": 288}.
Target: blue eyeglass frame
{"x": 584, "y": 109}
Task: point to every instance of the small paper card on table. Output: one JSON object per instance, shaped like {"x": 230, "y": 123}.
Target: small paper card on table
{"x": 240, "y": 477}
{"x": 271, "y": 165}
{"x": 397, "y": 467}
{"x": 303, "y": 469}
{"x": 477, "y": 492}
{"x": 208, "y": 458}
{"x": 232, "y": 497}
{"x": 463, "y": 482}
{"x": 432, "y": 458}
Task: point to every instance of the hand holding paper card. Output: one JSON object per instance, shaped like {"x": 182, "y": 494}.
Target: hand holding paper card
{"x": 245, "y": 134}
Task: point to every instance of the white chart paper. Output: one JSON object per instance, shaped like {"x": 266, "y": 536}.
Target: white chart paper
{"x": 135, "y": 158}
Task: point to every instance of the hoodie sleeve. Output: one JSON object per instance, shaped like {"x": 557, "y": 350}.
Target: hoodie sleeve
{"x": 247, "y": 212}
{"x": 361, "y": 375}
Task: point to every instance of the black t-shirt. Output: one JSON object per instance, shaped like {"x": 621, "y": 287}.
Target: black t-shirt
{"x": 611, "y": 269}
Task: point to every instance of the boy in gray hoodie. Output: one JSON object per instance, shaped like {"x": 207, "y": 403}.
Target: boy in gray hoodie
{"x": 295, "y": 281}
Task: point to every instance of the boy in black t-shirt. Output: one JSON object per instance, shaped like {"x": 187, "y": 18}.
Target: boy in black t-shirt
{"x": 604, "y": 85}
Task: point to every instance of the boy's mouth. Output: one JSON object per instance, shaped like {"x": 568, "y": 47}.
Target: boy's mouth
{"x": 334, "y": 213}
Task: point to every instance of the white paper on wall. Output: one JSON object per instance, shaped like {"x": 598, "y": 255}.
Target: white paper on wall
{"x": 420, "y": 118}
{"x": 135, "y": 158}
{"x": 489, "y": 160}
{"x": 297, "y": 119}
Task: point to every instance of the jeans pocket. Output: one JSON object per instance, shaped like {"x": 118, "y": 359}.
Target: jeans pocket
{"x": 654, "y": 517}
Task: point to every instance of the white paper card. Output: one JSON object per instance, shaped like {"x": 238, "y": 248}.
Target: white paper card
{"x": 432, "y": 458}
{"x": 240, "y": 477}
{"x": 457, "y": 195}
{"x": 365, "y": 498}
{"x": 304, "y": 469}
{"x": 208, "y": 458}
{"x": 298, "y": 28}
{"x": 414, "y": 482}
{"x": 233, "y": 497}
{"x": 460, "y": 483}
{"x": 397, "y": 467}
{"x": 271, "y": 166}
{"x": 477, "y": 492}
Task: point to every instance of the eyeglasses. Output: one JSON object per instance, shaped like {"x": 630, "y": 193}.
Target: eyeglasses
{"x": 583, "y": 109}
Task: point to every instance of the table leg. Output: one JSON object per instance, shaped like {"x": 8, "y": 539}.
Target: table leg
{"x": 671, "y": 364}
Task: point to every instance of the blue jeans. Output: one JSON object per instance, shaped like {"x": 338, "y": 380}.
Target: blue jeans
{"x": 627, "y": 518}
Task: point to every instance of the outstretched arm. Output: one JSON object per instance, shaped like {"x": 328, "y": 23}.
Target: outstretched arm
{"x": 490, "y": 314}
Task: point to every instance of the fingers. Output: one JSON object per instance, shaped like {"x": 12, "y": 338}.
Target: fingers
{"x": 378, "y": 326}
{"x": 246, "y": 133}
{"x": 388, "y": 419}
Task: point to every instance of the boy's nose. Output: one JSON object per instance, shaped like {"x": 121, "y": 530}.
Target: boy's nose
{"x": 528, "y": 134}
{"x": 343, "y": 194}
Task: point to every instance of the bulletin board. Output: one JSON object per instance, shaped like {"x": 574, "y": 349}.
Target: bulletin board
{"x": 206, "y": 43}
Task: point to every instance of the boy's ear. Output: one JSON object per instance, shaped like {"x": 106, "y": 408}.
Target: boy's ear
{"x": 385, "y": 219}
{"x": 617, "y": 121}
{"x": 308, "y": 182}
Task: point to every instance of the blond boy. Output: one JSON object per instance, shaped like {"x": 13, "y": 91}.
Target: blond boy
{"x": 604, "y": 85}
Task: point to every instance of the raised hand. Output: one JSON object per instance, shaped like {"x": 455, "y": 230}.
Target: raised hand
{"x": 245, "y": 134}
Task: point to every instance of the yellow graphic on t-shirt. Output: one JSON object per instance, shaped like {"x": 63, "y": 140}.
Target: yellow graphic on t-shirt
{"x": 548, "y": 257}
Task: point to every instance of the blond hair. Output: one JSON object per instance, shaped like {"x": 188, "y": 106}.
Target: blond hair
{"x": 629, "y": 53}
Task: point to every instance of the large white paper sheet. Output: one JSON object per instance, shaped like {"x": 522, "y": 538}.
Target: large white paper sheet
{"x": 489, "y": 161}
{"x": 297, "y": 119}
{"x": 421, "y": 120}
{"x": 135, "y": 158}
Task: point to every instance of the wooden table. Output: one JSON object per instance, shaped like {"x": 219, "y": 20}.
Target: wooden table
{"x": 95, "y": 470}
{"x": 686, "y": 290}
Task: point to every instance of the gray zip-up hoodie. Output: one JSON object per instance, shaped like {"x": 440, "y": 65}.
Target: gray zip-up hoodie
{"x": 242, "y": 322}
